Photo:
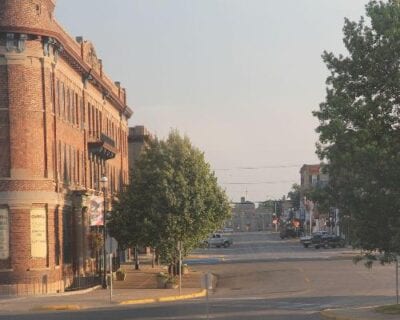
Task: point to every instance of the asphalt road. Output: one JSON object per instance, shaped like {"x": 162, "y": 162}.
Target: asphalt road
{"x": 263, "y": 277}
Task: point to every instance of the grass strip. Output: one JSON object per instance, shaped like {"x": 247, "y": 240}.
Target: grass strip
{"x": 389, "y": 309}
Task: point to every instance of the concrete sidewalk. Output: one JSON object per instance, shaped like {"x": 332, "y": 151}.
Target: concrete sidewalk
{"x": 365, "y": 313}
{"x": 138, "y": 288}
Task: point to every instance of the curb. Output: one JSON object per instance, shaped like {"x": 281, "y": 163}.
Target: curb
{"x": 57, "y": 307}
{"x": 199, "y": 294}
{"x": 74, "y": 292}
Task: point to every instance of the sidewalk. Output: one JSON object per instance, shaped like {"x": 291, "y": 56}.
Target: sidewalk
{"x": 366, "y": 313}
{"x": 140, "y": 287}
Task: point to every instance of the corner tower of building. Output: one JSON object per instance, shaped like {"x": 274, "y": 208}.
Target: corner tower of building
{"x": 36, "y": 15}
{"x": 63, "y": 124}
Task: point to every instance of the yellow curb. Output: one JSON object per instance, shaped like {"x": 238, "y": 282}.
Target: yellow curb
{"x": 57, "y": 307}
{"x": 199, "y": 294}
{"x": 138, "y": 301}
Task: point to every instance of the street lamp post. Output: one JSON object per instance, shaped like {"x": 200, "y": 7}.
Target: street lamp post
{"x": 103, "y": 182}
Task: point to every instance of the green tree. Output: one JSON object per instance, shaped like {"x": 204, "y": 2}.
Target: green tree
{"x": 359, "y": 130}
{"x": 294, "y": 196}
{"x": 174, "y": 197}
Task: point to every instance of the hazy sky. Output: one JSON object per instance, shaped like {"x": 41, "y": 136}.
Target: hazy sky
{"x": 239, "y": 77}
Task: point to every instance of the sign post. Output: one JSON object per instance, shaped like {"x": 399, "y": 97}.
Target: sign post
{"x": 397, "y": 279}
{"x": 206, "y": 283}
{"x": 180, "y": 266}
{"x": 111, "y": 277}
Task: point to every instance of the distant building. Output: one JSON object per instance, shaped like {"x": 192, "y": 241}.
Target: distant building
{"x": 246, "y": 217}
{"x": 263, "y": 218}
{"x": 311, "y": 176}
{"x": 138, "y": 138}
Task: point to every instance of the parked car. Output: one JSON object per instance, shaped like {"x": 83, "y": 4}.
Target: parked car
{"x": 329, "y": 241}
{"x": 307, "y": 241}
{"x": 322, "y": 239}
{"x": 218, "y": 240}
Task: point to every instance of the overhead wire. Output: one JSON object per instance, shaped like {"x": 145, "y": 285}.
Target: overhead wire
{"x": 258, "y": 182}
{"x": 260, "y": 167}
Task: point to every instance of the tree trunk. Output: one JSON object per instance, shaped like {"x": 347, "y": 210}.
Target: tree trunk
{"x": 137, "y": 263}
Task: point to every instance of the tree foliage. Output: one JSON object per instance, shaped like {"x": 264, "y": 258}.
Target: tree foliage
{"x": 359, "y": 128}
{"x": 173, "y": 196}
{"x": 294, "y": 196}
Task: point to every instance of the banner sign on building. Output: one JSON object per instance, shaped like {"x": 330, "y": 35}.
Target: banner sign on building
{"x": 96, "y": 211}
{"x": 38, "y": 233}
{"x": 4, "y": 234}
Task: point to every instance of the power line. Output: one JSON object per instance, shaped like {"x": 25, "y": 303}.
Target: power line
{"x": 260, "y": 167}
{"x": 258, "y": 182}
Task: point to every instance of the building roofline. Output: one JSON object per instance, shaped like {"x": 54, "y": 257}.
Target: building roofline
{"x": 65, "y": 40}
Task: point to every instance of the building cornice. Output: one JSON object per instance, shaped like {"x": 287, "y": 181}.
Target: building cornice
{"x": 76, "y": 62}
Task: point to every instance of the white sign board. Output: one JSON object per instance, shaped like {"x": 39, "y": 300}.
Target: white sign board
{"x": 38, "y": 233}
{"x": 4, "y": 234}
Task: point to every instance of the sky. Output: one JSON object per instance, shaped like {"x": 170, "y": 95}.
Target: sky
{"x": 239, "y": 77}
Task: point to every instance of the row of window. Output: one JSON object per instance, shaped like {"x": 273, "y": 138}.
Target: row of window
{"x": 71, "y": 168}
{"x": 116, "y": 177}
{"x": 70, "y": 107}
{"x": 98, "y": 124}
{"x": 71, "y": 164}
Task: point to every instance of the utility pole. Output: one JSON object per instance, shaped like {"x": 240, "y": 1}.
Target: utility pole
{"x": 311, "y": 217}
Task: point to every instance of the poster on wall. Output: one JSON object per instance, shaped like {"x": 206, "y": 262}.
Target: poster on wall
{"x": 38, "y": 233}
{"x": 4, "y": 234}
{"x": 96, "y": 211}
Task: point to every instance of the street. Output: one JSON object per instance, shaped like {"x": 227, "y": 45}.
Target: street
{"x": 260, "y": 277}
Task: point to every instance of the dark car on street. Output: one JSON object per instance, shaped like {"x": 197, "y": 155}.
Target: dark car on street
{"x": 328, "y": 241}
{"x": 322, "y": 239}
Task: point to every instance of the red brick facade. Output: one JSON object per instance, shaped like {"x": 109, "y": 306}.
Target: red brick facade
{"x": 63, "y": 124}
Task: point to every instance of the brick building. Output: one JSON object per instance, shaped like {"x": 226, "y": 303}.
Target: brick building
{"x": 138, "y": 138}
{"x": 311, "y": 176}
{"x": 246, "y": 217}
{"x": 63, "y": 124}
